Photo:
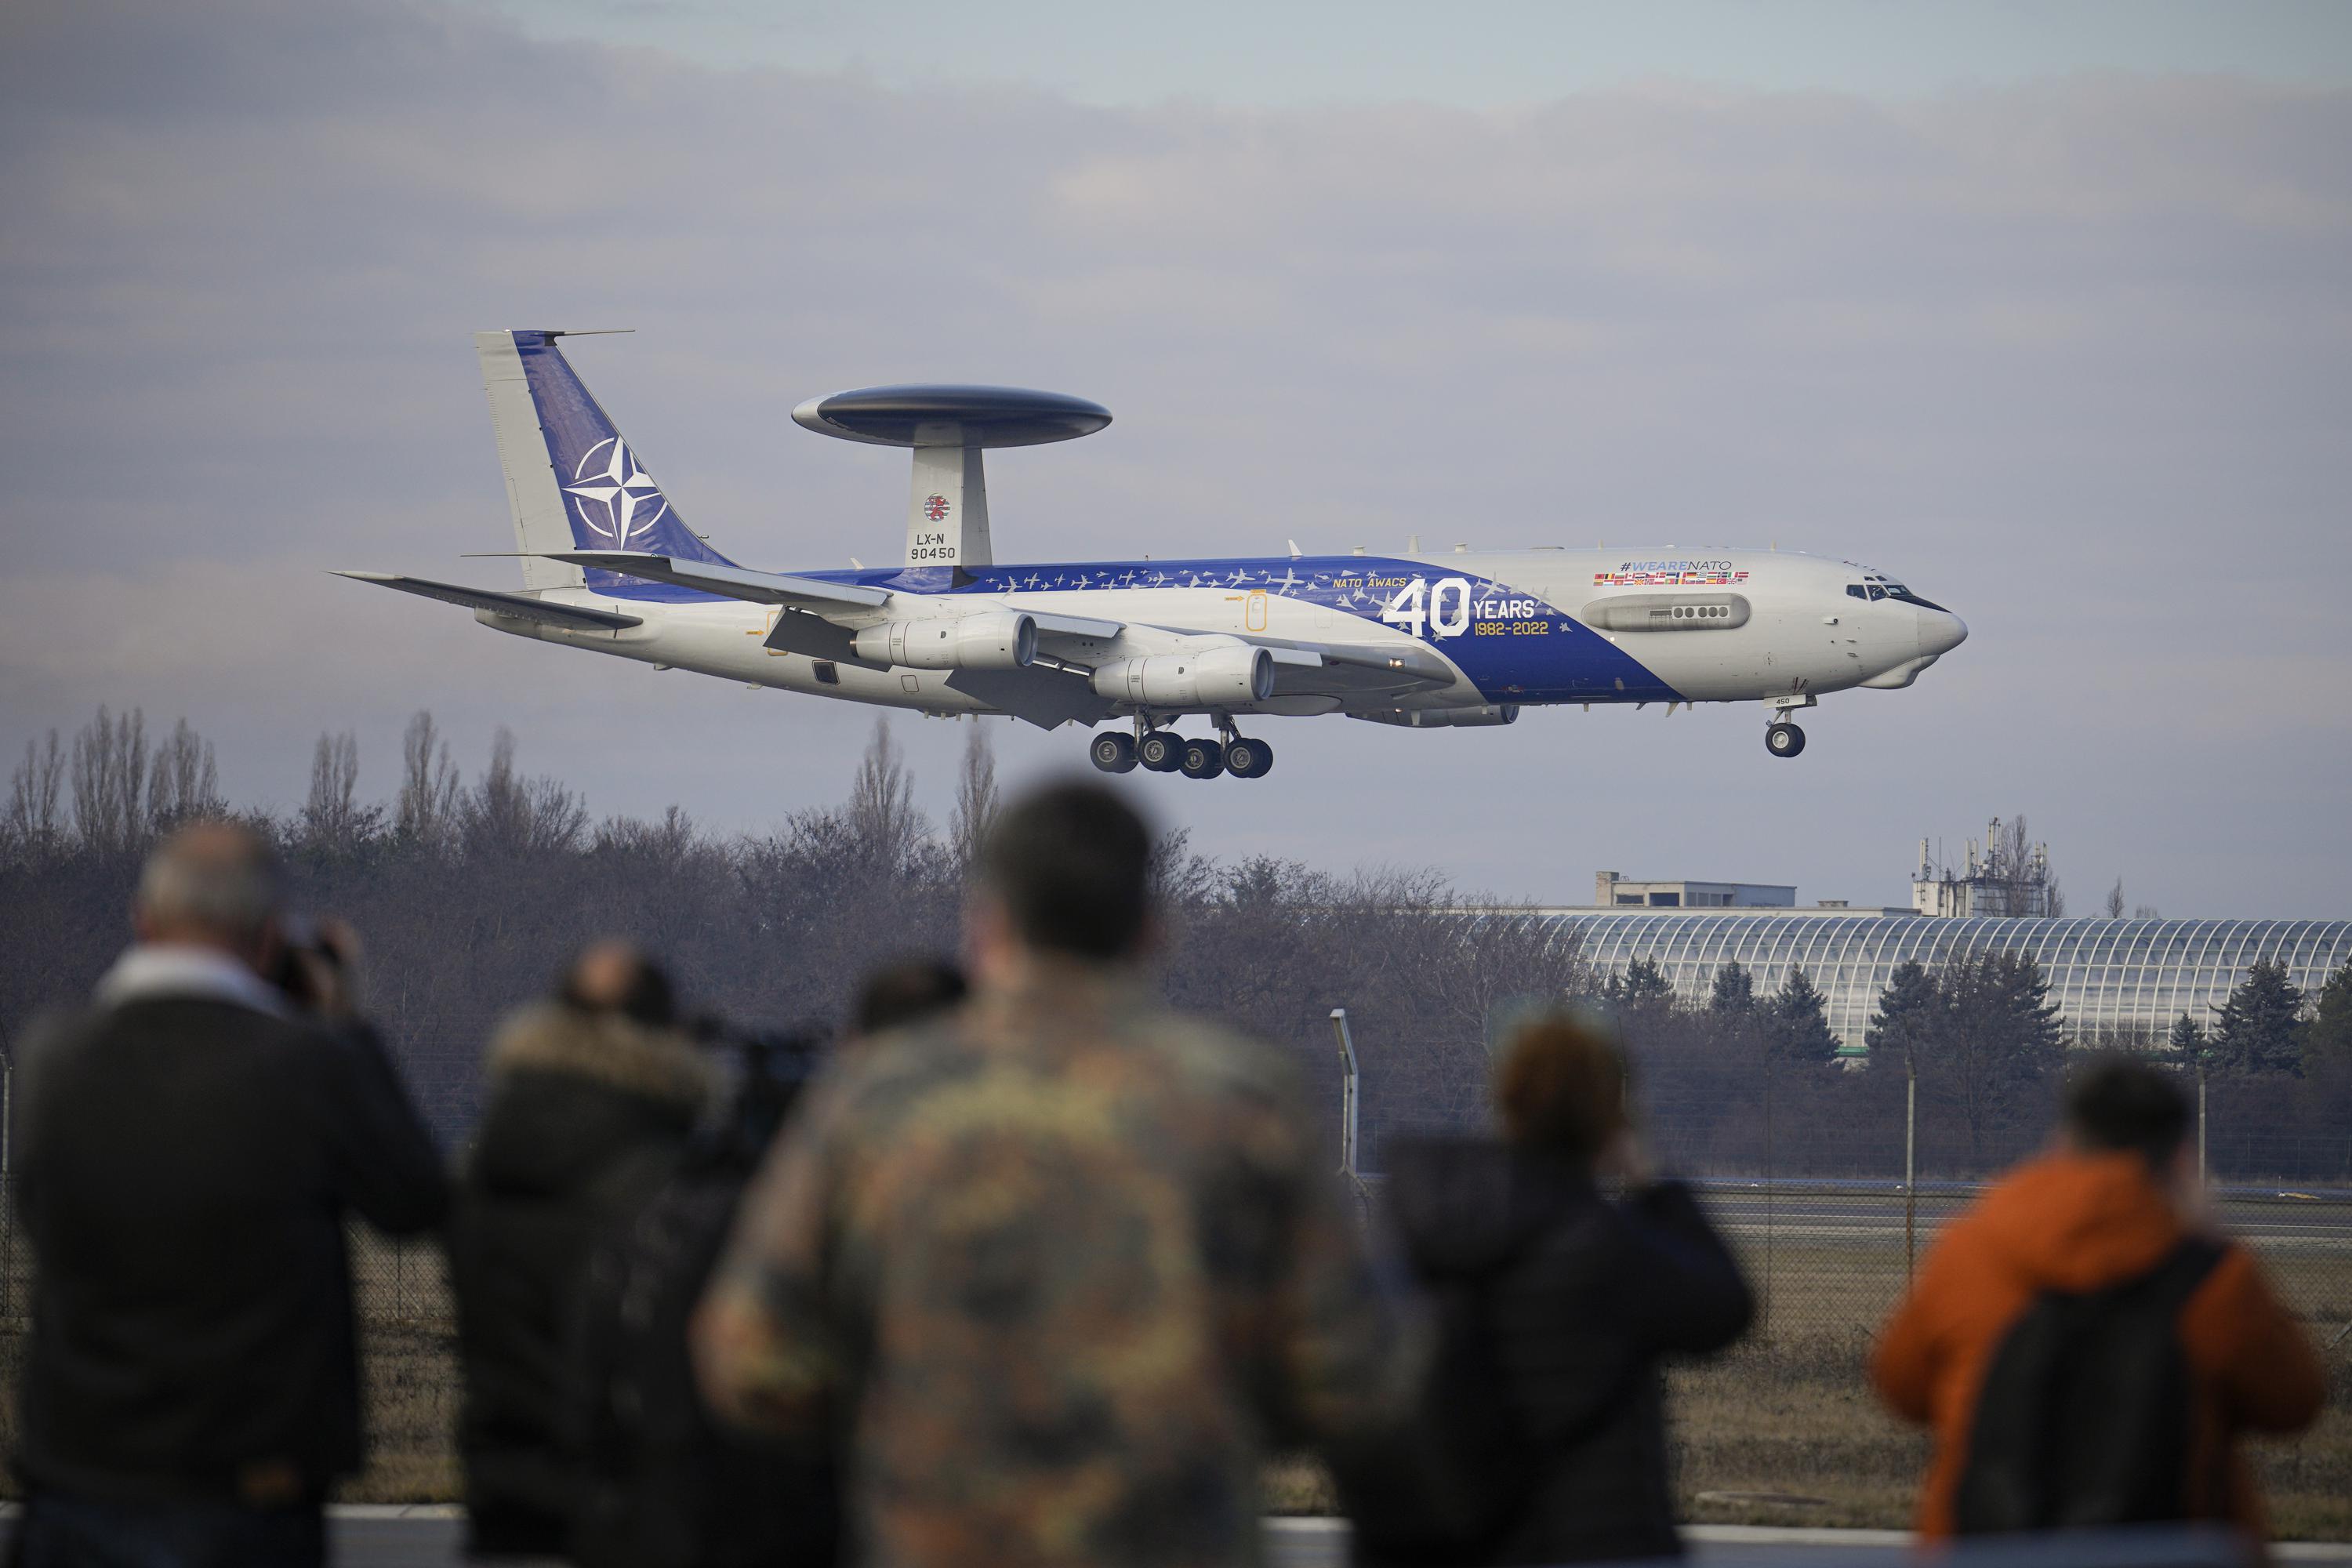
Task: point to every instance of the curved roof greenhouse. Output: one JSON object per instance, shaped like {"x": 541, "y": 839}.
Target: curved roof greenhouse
{"x": 2109, "y": 977}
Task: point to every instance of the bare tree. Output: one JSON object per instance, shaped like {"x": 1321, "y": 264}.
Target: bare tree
{"x": 428, "y": 785}
{"x": 508, "y": 815}
{"x": 881, "y": 813}
{"x": 183, "y": 783}
{"x": 35, "y": 820}
{"x": 334, "y": 821}
{"x": 2012, "y": 851}
{"x": 110, "y": 770}
{"x": 2115, "y": 901}
{"x": 977, "y": 799}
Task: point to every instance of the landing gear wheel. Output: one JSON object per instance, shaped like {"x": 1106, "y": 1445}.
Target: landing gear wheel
{"x": 1203, "y": 760}
{"x": 1160, "y": 751}
{"x": 1784, "y": 738}
{"x": 1248, "y": 759}
{"x": 1113, "y": 753}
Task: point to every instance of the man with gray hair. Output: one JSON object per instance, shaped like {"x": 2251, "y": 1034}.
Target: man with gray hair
{"x": 193, "y": 1142}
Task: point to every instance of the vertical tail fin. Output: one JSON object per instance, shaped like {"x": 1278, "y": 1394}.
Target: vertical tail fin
{"x": 573, "y": 481}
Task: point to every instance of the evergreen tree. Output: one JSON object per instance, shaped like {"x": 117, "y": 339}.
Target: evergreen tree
{"x": 2260, "y": 1028}
{"x": 1734, "y": 993}
{"x": 1644, "y": 985}
{"x": 2327, "y": 1038}
{"x": 1999, "y": 1043}
{"x": 1909, "y": 1011}
{"x": 1797, "y": 1029}
{"x": 2186, "y": 1039}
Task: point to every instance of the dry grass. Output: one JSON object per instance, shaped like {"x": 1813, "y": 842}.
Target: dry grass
{"x": 1787, "y": 1415}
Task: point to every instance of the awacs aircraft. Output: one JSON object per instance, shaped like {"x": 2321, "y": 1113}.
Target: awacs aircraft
{"x": 1422, "y": 639}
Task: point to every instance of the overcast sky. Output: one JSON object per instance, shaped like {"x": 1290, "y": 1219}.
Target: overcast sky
{"x": 2053, "y": 320}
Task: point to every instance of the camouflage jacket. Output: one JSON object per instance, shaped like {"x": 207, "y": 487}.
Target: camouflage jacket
{"x": 1065, "y": 1266}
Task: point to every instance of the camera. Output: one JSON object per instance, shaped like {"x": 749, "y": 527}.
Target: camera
{"x": 767, "y": 1068}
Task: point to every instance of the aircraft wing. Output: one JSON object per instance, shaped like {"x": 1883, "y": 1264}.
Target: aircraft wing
{"x": 517, "y": 606}
{"x": 731, "y": 581}
{"x": 1346, "y": 669}
{"x": 1076, "y": 641}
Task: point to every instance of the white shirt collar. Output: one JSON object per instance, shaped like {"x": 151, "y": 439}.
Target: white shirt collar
{"x": 170, "y": 969}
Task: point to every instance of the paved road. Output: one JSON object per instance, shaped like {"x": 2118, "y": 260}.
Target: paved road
{"x": 429, "y": 1537}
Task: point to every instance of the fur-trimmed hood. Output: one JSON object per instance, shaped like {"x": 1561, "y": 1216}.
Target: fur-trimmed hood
{"x": 607, "y": 1048}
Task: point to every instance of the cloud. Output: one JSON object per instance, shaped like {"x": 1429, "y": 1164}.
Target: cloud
{"x": 2071, "y": 356}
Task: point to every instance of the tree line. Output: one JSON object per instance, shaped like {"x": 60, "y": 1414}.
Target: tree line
{"x": 470, "y": 892}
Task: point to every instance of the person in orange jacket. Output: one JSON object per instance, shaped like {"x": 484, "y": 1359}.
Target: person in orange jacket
{"x": 2111, "y": 1203}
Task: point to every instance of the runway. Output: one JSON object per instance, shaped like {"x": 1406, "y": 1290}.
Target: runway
{"x": 430, "y": 1536}
{"x": 2271, "y": 1219}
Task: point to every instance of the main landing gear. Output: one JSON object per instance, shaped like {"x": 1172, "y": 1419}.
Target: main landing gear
{"x": 1166, "y": 752}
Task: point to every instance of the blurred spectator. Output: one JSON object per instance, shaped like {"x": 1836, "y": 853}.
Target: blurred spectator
{"x": 906, "y": 992}
{"x": 1061, "y": 1264}
{"x": 2083, "y": 1342}
{"x": 192, "y": 1146}
{"x": 665, "y": 1485}
{"x": 1542, "y": 1429}
{"x": 592, "y": 1097}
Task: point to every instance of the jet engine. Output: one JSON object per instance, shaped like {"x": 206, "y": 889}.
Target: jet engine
{"x": 1231, "y": 673}
{"x": 1003, "y": 641}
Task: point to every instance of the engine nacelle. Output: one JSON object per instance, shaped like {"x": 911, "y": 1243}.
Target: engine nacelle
{"x": 1006, "y": 640}
{"x": 1219, "y": 676}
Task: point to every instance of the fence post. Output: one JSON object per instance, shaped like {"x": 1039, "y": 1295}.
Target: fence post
{"x": 1910, "y": 1167}
{"x": 2201, "y": 1123}
{"x": 1766, "y": 1316}
{"x": 1348, "y": 1101}
{"x": 7, "y": 1184}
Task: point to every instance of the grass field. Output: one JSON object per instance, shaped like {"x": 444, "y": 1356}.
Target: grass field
{"x": 1781, "y": 1430}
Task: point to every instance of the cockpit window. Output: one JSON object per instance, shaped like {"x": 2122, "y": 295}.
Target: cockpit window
{"x": 1898, "y": 591}
{"x": 1856, "y": 590}
{"x": 1876, "y": 592}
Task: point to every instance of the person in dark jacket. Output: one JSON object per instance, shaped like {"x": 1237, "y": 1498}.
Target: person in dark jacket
{"x": 592, "y": 1097}
{"x": 1580, "y": 1294}
{"x": 191, "y": 1149}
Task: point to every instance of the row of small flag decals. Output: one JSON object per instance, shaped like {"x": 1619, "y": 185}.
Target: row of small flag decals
{"x": 1667, "y": 579}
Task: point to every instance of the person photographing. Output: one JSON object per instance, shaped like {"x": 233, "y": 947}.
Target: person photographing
{"x": 192, "y": 1143}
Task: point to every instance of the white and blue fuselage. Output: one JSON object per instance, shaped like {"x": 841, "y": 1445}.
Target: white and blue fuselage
{"x": 1420, "y": 639}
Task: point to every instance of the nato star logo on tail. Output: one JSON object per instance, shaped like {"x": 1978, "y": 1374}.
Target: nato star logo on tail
{"x": 609, "y": 496}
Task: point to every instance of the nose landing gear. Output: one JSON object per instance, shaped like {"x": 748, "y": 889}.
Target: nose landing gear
{"x": 1781, "y": 736}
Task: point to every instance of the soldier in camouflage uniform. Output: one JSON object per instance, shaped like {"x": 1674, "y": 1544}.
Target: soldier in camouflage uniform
{"x": 1063, "y": 1266}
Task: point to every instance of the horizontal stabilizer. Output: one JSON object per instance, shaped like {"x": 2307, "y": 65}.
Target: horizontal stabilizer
{"x": 516, "y": 606}
{"x": 732, "y": 582}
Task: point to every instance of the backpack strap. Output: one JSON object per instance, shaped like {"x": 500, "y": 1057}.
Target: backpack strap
{"x": 2186, "y": 1267}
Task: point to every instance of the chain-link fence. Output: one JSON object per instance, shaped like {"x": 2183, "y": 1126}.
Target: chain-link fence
{"x": 1832, "y": 1183}
{"x": 1806, "y": 1177}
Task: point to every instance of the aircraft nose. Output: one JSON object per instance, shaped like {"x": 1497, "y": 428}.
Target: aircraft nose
{"x": 1940, "y": 631}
